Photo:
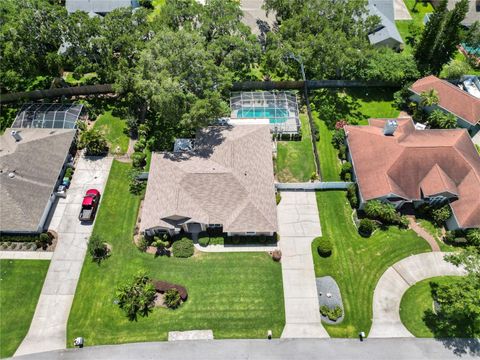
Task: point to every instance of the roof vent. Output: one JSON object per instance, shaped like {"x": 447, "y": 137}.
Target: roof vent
{"x": 16, "y": 135}
{"x": 390, "y": 127}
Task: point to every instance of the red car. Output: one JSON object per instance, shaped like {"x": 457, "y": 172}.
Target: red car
{"x": 89, "y": 205}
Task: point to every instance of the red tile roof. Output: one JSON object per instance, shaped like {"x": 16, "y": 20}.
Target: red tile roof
{"x": 451, "y": 98}
{"x": 414, "y": 161}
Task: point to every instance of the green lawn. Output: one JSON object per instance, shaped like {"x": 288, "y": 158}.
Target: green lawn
{"x": 329, "y": 161}
{"x": 373, "y": 103}
{"x": 20, "y": 284}
{"x": 295, "y": 161}
{"x": 417, "y": 16}
{"x": 416, "y": 301}
{"x": 357, "y": 263}
{"x": 237, "y": 295}
{"x": 114, "y": 129}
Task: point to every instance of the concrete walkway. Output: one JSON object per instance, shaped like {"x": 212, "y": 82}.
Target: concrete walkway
{"x": 393, "y": 284}
{"x": 26, "y": 255}
{"x": 49, "y": 324}
{"x": 401, "y": 11}
{"x": 420, "y": 231}
{"x": 299, "y": 224}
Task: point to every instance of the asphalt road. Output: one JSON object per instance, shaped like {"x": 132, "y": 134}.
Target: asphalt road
{"x": 291, "y": 349}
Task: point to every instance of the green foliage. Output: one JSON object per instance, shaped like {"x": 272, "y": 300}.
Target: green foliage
{"x": 441, "y": 215}
{"x": 43, "y": 241}
{"x": 172, "y": 298}
{"x": 69, "y": 172}
{"x": 455, "y": 69}
{"x": 137, "y": 296}
{"x": 142, "y": 244}
{"x": 414, "y": 33}
{"x": 204, "y": 241}
{"x": 402, "y": 97}
{"x": 161, "y": 243}
{"x": 346, "y": 171}
{"x": 366, "y": 227}
{"x": 140, "y": 145}
{"x": 97, "y": 249}
{"x": 313, "y": 176}
{"x": 138, "y": 159}
{"x": 183, "y": 248}
{"x": 136, "y": 186}
{"x": 332, "y": 313}
{"x": 352, "y": 196}
{"x": 338, "y": 138}
{"x": 385, "y": 213}
{"x": 324, "y": 246}
{"x": 94, "y": 142}
{"x": 473, "y": 237}
{"x": 429, "y": 98}
{"x": 278, "y": 197}
{"x": 438, "y": 119}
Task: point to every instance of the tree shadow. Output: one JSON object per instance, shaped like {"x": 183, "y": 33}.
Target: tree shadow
{"x": 334, "y": 105}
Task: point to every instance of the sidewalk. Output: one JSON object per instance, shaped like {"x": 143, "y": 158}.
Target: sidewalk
{"x": 423, "y": 233}
{"x": 26, "y": 255}
{"x": 48, "y": 330}
{"x": 299, "y": 224}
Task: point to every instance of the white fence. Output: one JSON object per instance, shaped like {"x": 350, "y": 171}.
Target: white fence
{"x": 317, "y": 185}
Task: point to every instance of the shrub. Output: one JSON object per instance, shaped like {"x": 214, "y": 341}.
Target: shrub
{"x": 313, "y": 176}
{"x": 278, "y": 197}
{"x": 338, "y": 138}
{"x": 381, "y": 211}
{"x": 136, "y": 297}
{"x": 140, "y": 145}
{"x": 236, "y": 239}
{"x": 43, "y": 241}
{"x": 97, "y": 249}
{"x": 366, "y": 227}
{"x": 172, "y": 298}
{"x": 183, "y": 248}
{"x": 69, "y": 173}
{"x": 276, "y": 255}
{"x": 204, "y": 241}
{"x": 324, "y": 247}
{"x": 473, "y": 237}
{"x": 333, "y": 314}
{"x": 352, "y": 196}
{"x": 142, "y": 244}
{"x": 345, "y": 173}
{"x": 19, "y": 238}
{"x": 138, "y": 159}
{"x": 342, "y": 152}
{"x": 403, "y": 222}
{"x": 441, "y": 215}
{"x": 94, "y": 142}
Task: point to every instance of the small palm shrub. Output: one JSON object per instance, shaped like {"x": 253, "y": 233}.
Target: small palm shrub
{"x": 172, "y": 298}
{"x": 137, "y": 296}
{"x": 324, "y": 247}
{"x": 332, "y": 314}
{"x": 277, "y": 255}
{"x": 142, "y": 244}
{"x": 366, "y": 227}
{"x": 183, "y": 248}
{"x": 43, "y": 241}
{"x": 97, "y": 249}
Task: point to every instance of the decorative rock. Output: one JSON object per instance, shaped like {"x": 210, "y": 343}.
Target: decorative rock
{"x": 328, "y": 286}
{"x": 190, "y": 335}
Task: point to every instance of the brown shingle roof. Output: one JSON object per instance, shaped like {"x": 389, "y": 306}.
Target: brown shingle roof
{"x": 412, "y": 161}
{"x": 228, "y": 180}
{"x": 451, "y": 98}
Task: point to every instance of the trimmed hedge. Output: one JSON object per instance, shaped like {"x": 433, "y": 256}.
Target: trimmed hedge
{"x": 183, "y": 248}
{"x": 366, "y": 227}
{"x": 19, "y": 238}
{"x": 204, "y": 241}
{"x": 324, "y": 247}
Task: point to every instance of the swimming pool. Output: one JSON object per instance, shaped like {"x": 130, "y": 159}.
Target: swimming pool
{"x": 275, "y": 115}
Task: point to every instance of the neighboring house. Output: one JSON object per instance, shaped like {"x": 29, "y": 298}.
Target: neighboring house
{"x": 226, "y": 181}
{"x": 32, "y": 162}
{"x": 386, "y": 33}
{"x": 395, "y": 163}
{"x": 99, "y": 7}
{"x": 452, "y": 100}
{"x": 473, "y": 13}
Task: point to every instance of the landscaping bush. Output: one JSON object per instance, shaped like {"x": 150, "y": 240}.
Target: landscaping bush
{"x": 313, "y": 176}
{"x": 342, "y": 152}
{"x": 278, "y": 197}
{"x": 140, "y": 145}
{"x": 473, "y": 237}
{"x": 384, "y": 212}
{"x": 136, "y": 297}
{"x": 19, "y": 238}
{"x": 138, "y": 159}
{"x": 97, "y": 249}
{"x": 338, "y": 138}
{"x": 441, "y": 215}
{"x": 69, "y": 173}
{"x": 172, "y": 298}
{"x": 366, "y": 227}
{"x": 94, "y": 142}
{"x": 276, "y": 255}
{"x": 324, "y": 247}
{"x": 204, "y": 241}
{"x": 346, "y": 172}
{"x": 43, "y": 241}
{"x": 142, "y": 244}
{"x": 332, "y": 314}
{"x": 183, "y": 248}
{"x": 352, "y": 196}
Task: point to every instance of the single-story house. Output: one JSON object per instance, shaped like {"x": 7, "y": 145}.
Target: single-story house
{"x": 394, "y": 162}
{"x": 452, "y": 100}
{"x": 386, "y": 33}
{"x": 32, "y": 163}
{"x": 99, "y": 7}
{"x": 226, "y": 181}
{"x": 473, "y": 13}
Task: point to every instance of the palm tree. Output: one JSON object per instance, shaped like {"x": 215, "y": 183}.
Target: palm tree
{"x": 429, "y": 98}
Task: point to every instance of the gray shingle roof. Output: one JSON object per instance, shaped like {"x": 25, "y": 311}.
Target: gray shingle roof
{"x": 36, "y": 161}
{"x": 98, "y": 6}
{"x": 227, "y": 180}
{"x": 384, "y": 10}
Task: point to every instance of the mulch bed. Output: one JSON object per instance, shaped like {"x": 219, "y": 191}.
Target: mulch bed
{"x": 163, "y": 286}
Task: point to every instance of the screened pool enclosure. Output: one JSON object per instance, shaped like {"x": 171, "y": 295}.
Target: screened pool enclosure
{"x": 48, "y": 116}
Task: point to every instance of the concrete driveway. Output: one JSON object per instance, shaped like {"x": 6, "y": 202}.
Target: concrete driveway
{"x": 299, "y": 224}
{"x": 401, "y": 11}
{"x": 395, "y": 281}
{"x": 49, "y": 324}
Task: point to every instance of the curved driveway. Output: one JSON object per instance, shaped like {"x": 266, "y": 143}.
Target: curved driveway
{"x": 393, "y": 284}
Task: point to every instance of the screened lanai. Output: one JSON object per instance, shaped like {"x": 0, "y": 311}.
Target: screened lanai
{"x": 48, "y": 116}
{"x": 279, "y": 107}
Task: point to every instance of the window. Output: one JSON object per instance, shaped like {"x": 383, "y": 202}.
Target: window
{"x": 214, "y": 225}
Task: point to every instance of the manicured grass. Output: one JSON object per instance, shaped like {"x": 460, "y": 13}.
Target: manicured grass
{"x": 416, "y": 301}
{"x": 237, "y": 295}
{"x": 421, "y": 9}
{"x": 329, "y": 161}
{"x": 295, "y": 161}
{"x": 20, "y": 284}
{"x": 113, "y": 127}
{"x": 374, "y": 103}
{"x": 357, "y": 263}
{"x": 436, "y": 232}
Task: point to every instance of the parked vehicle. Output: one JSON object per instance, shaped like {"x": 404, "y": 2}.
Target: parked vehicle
{"x": 89, "y": 205}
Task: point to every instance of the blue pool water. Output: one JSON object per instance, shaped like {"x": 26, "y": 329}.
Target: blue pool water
{"x": 276, "y": 116}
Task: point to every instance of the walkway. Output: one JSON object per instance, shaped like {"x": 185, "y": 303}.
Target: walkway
{"x": 401, "y": 11}
{"x": 291, "y": 349}
{"x": 49, "y": 324}
{"x": 393, "y": 284}
{"x": 26, "y": 255}
{"x": 423, "y": 233}
{"x": 299, "y": 224}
